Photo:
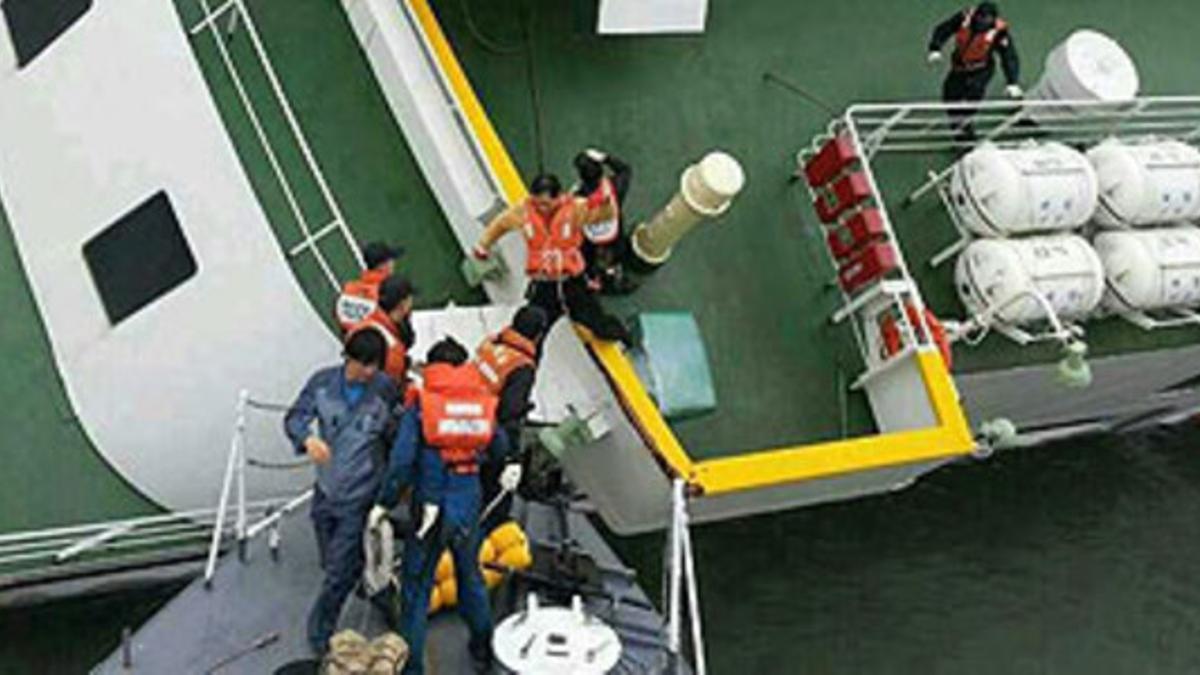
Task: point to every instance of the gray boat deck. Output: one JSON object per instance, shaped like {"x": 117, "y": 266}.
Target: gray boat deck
{"x": 259, "y": 597}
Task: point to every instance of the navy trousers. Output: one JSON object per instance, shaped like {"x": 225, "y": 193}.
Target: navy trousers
{"x": 339, "y": 529}
{"x": 458, "y": 531}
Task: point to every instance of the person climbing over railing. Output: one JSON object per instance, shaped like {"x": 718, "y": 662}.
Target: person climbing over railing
{"x": 439, "y": 447}
{"x": 552, "y": 224}
{"x": 342, "y": 419}
{"x": 605, "y": 179}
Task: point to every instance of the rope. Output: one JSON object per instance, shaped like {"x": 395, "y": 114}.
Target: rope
{"x": 278, "y": 466}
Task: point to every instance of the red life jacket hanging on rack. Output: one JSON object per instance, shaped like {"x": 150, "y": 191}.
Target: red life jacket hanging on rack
{"x": 552, "y": 242}
{"x": 889, "y": 333}
{"x": 973, "y": 51}
{"x": 458, "y": 414}
{"x": 501, "y": 355}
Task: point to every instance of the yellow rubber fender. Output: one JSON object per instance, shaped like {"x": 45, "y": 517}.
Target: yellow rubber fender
{"x": 517, "y": 558}
{"x": 435, "y": 600}
{"x": 507, "y": 536}
{"x": 445, "y": 568}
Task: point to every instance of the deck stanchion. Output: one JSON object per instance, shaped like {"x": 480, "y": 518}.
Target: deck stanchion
{"x": 239, "y": 449}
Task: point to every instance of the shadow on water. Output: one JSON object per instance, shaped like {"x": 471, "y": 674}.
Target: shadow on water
{"x": 1075, "y": 558}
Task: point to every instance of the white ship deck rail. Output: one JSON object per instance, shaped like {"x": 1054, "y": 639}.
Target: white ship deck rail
{"x": 237, "y": 14}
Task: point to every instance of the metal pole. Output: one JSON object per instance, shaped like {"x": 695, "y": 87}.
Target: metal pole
{"x": 674, "y": 638}
{"x": 222, "y": 503}
{"x": 240, "y": 449}
{"x": 693, "y": 595}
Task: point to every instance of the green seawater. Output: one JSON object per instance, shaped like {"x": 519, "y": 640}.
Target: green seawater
{"x": 1079, "y": 557}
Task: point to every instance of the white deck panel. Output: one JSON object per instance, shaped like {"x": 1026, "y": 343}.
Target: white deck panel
{"x": 114, "y": 111}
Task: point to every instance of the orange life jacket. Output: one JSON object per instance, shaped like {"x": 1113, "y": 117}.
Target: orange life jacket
{"x": 458, "y": 414}
{"x": 500, "y": 355}
{"x": 973, "y": 51}
{"x": 607, "y": 230}
{"x": 552, "y": 244}
{"x": 396, "y": 360}
{"x": 890, "y": 333}
{"x": 358, "y": 299}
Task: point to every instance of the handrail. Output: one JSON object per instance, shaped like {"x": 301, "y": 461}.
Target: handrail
{"x": 679, "y": 567}
{"x": 236, "y": 464}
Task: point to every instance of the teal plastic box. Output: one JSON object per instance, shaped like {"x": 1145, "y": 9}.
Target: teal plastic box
{"x": 672, "y": 363}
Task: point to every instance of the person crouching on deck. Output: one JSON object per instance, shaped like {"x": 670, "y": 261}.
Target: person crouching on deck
{"x": 342, "y": 419}
{"x": 552, "y": 224}
{"x": 440, "y": 444}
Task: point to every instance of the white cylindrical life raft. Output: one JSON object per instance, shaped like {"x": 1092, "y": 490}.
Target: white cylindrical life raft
{"x": 1146, "y": 183}
{"x": 997, "y": 277}
{"x": 1087, "y": 66}
{"x": 998, "y": 192}
{"x": 1150, "y": 269}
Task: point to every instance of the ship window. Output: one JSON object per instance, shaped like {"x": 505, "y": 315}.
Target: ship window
{"x": 139, "y": 258}
{"x": 35, "y": 24}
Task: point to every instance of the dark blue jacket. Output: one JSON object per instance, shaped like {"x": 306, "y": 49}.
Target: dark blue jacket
{"x": 414, "y": 462}
{"x": 357, "y": 434}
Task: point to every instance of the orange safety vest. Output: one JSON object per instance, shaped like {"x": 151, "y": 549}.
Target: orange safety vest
{"x": 605, "y": 231}
{"x": 458, "y": 414}
{"x": 973, "y": 51}
{"x": 358, "y": 299}
{"x": 396, "y": 361}
{"x": 501, "y": 355}
{"x": 552, "y": 244}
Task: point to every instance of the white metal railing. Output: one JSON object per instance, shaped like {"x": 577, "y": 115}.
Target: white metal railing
{"x": 894, "y": 293}
{"x": 233, "y": 487}
{"x": 31, "y": 550}
{"x": 940, "y": 130}
{"x": 240, "y": 15}
{"x": 679, "y": 568}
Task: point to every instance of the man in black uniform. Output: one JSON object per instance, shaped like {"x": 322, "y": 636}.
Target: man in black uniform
{"x": 605, "y": 178}
{"x": 508, "y": 363}
{"x": 979, "y": 33}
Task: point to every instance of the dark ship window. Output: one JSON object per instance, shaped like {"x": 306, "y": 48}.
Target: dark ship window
{"x": 139, "y": 258}
{"x": 35, "y": 24}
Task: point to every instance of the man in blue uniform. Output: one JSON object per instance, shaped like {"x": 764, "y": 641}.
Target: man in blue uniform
{"x": 439, "y": 446}
{"x": 342, "y": 419}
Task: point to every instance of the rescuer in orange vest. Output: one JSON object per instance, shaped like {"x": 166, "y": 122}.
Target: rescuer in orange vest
{"x": 552, "y": 224}
{"x": 979, "y": 33}
{"x": 392, "y": 320}
{"x": 508, "y": 363}
{"x": 604, "y": 179}
{"x": 359, "y": 296}
{"x": 439, "y": 447}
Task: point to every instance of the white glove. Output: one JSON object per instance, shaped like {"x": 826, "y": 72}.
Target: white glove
{"x": 510, "y": 478}
{"x": 933, "y": 57}
{"x": 596, "y": 155}
{"x": 1014, "y": 91}
{"x": 376, "y": 516}
{"x": 429, "y": 516}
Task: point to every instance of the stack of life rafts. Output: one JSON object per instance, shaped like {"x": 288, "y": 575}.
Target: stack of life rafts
{"x": 1030, "y": 205}
{"x": 505, "y": 549}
